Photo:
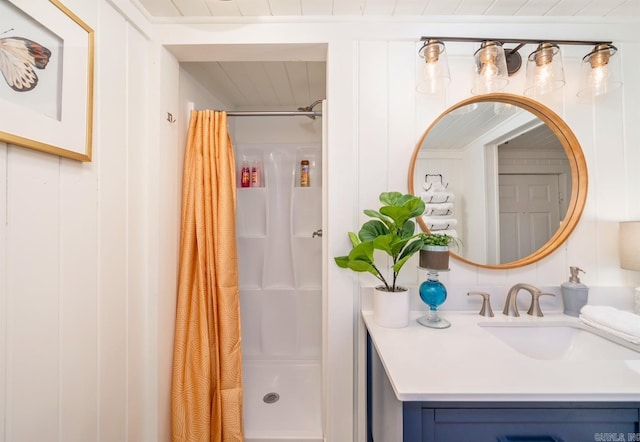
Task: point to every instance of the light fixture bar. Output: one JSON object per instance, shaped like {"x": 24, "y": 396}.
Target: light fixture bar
{"x": 521, "y": 41}
{"x": 545, "y": 73}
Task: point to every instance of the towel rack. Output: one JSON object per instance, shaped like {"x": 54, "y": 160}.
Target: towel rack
{"x": 428, "y": 184}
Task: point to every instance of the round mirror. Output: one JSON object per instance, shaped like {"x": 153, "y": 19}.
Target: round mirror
{"x": 505, "y": 175}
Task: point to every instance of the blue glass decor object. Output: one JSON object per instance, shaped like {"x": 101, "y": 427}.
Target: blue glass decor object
{"x": 433, "y": 293}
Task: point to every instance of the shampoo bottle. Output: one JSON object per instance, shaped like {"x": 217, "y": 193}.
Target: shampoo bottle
{"x": 574, "y": 293}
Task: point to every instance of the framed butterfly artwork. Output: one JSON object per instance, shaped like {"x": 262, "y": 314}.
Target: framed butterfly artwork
{"x": 46, "y": 81}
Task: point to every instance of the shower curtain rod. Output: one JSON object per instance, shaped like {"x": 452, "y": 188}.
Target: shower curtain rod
{"x": 310, "y": 114}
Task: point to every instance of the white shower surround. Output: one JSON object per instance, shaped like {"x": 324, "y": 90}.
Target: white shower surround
{"x": 280, "y": 274}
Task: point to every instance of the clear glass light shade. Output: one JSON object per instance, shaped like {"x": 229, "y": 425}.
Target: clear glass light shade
{"x": 545, "y": 72}
{"x": 491, "y": 68}
{"x": 435, "y": 75}
{"x": 599, "y": 74}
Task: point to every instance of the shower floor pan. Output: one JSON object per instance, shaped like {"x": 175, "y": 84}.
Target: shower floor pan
{"x": 282, "y": 401}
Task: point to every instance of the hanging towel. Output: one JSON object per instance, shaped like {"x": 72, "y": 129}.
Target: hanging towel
{"x": 434, "y": 187}
{"x": 437, "y": 197}
{"x": 620, "y": 323}
{"x": 439, "y": 223}
{"x": 438, "y": 209}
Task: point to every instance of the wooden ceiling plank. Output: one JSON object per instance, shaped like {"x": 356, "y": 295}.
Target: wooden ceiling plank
{"x": 254, "y": 8}
{"x": 285, "y": 7}
{"x": 474, "y": 7}
{"x": 441, "y": 7}
{"x": 277, "y": 74}
{"x": 160, "y": 8}
{"x": 379, "y": 7}
{"x": 537, "y": 8}
{"x": 410, "y": 7}
{"x": 568, "y": 7}
{"x": 599, "y": 8}
{"x": 223, "y": 9}
{"x": 316, "y": 7}
{"x": 317, "y": 72}
{"x": 505, "y": 7}
{"x": 348, "y": 7}
{"x": 193, "y": 8}
{"x": 299, "y": 81}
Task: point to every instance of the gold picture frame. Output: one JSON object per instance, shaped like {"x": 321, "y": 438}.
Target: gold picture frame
{"x": 46, "y": 87}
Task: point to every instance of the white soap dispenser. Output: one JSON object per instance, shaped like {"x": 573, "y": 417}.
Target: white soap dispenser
{"x": 574, "y": 294}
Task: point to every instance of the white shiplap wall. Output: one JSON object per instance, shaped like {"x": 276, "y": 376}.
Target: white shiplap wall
{"x": 73, "y": 361}
{"x": 84, "y": 307}
{"x": 375, "y": 118}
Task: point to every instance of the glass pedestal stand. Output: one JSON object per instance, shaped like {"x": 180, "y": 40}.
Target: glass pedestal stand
{"x": 433, "y": 293}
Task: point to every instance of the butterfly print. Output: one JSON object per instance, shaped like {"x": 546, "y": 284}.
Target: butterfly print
{"x": 18, "y": 59}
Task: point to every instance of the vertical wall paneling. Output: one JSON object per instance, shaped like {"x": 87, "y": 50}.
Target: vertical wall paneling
{"x": 3, "y": 288}
{"x": 373, "y": 130}
{"x": 78, "y": 301}
{"x": 138, "y": 350}
{"x": 33, "y": 294}
{"x": 401, "y": 80}
{"x": 609, "y": 197}
{"x": 167, "y": 152}
{"x": 111, "y": 158}
{"x": 340, "y": 304}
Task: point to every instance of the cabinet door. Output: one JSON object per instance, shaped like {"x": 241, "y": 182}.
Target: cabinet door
{"x": 532, "y": 425}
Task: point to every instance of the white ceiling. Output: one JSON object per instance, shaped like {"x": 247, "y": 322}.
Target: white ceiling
{"x": 273, "y": 84}
{"x": 253, "y": 8}
{"x": 471, "y": 122}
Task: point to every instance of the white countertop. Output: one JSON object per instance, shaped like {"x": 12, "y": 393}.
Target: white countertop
{"x": 467, "y": 363}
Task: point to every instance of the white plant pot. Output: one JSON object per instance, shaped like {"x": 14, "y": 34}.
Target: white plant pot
{"x": 391, "y": 309}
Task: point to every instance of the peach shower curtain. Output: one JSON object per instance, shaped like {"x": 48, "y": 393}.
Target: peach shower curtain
{"x": 207, "y": 362}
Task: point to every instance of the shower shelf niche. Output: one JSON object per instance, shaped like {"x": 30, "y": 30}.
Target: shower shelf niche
{"x": 280, "y": 261}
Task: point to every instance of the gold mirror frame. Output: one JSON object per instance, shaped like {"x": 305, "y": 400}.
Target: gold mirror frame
{"x": 578, "y": 165}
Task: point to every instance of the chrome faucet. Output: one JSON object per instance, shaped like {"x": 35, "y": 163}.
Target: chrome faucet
{"x": 511, "y": 305}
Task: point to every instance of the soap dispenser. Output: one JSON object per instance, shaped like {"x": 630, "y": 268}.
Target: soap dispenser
{"x": 574, "y": 293}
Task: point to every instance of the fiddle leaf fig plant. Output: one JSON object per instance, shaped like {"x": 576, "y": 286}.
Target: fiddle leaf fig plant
{"x": 391, "y": 230}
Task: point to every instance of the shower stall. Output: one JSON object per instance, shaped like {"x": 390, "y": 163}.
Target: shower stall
{"x": 279, "y": 236}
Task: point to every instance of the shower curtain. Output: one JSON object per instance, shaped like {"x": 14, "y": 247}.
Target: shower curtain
{"x": 207, "y": 363}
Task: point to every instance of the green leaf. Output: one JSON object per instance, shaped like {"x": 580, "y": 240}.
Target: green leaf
{"x": 371, "y": 230}
{"x": 408, "y": 229}
{"x": 412, "y": 248}
{"x": 342, "y": 261}
{"x": 375, "y": 214}
{"x": 362, "y": 252}
{"x": 385, "y": 243}
{"x": 399, "y": 214}
{"x": 354, "y": 239}
{"x": 362, "y": 266}
{"x": 407, "y": 253}
{"x": 391, "y": 198}
{"x": 415, "y": 206}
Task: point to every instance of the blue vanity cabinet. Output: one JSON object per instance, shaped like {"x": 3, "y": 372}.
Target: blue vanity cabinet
{"x": 521, "y": 421}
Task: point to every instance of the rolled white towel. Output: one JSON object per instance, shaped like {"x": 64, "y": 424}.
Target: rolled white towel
{"x": 620, "y": 323}
{"x": 439, "y": 223}
{"x": 438, "y": 209}
{"x": 434, "y": 187}
{"x": 437, "y": 197}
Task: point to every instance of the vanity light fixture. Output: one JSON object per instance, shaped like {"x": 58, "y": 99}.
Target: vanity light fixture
{"x": 494, "y": 64}
{"x": 436, "y": 75}
{"x": 598, "y": 76}
{"x": 491, "y": 68}
{"x": 545, "y": 72}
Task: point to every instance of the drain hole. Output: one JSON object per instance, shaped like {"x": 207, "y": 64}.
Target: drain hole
{"x": 271, "y": 398}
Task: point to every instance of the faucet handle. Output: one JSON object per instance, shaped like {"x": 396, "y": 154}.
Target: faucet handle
{"x": 486, "y": 303}
{"x": 534, "y": 309}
